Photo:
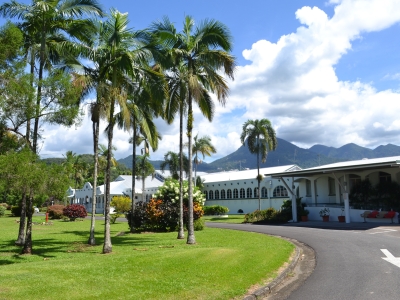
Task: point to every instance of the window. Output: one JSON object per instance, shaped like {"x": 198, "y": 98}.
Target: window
{"x": 206, "y": 195}
{"x": 229, "y": 194}
{"x": 222, "y": 194}
{"x": 280, "y": 191}
{"x": 242, "y": 193}
{"x": 235, "y": 193}
{"x": 255, "y": 192}
{"x": 264, "y": 192}
{"x": 211, "y": 195}
{"x": 308, "y": 188}
{"x": 216, "y": 195}
{"x": 353, "y": 181}
{"x": 249, "y": 193}
{"x": 331, "y": 184}
{"x": 384, "y": 177}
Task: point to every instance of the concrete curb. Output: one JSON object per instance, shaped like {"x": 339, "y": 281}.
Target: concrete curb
{"x": 266, "y": 290}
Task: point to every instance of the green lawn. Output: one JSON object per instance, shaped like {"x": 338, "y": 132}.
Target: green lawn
{"x": 223, "y": 264}
{"x": 237, "y": 219}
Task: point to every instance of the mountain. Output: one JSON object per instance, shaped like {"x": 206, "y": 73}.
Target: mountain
{"x": 353, "y": 152}
{"x": 287, "y": 154}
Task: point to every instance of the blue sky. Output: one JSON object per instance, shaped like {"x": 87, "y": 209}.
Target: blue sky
{"x": 323, "y": 72}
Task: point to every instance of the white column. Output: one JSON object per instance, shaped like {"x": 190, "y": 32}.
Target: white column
{"x": 294, "y": 204}
{"x": 346, "y": 200}
{"x": 313, "y": 195}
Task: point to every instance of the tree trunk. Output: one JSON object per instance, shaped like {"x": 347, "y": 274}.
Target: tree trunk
{"x": 21, "y": 233}
{"x": 258, "y": 178}
{"x": 107, "y": 247}
{"x": 39, "y": 93}
{"x": 181, "y": 232}
{"x": 191, "y": 238}
{"x": 143, "y": 179}
{"x": 95, "y": 126}
{"x": 133, "y": 172}
{"x": 28, "y": 236}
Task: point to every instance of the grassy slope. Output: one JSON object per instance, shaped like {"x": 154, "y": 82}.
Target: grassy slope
{"x": 142, "y": 266}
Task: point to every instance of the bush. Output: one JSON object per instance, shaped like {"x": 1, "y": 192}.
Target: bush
{"x": 215, "y": 210}
{"x": 55, "y": 211}
{"x": 198, "y": 224}
{"x": 121, "y": 204}
{"x": 16, "y": 211}
{"x": 267, "y": 215}
{"x": 2, "y": 211}
{"x": 74, "y": 211}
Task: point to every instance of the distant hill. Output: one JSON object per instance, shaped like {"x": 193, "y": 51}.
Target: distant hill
{"x": 286, "y": 154}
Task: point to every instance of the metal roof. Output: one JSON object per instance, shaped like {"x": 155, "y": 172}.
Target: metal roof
{"x": 245, "y": 174}
{"x": 354, "y": 165}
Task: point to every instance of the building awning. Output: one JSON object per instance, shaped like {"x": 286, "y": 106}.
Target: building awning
{"x": 348, "y": 166}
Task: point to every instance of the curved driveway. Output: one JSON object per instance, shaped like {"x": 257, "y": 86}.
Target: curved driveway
{"x": 349, "y": 258}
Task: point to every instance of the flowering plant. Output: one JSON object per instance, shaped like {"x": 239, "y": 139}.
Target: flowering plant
{"x": 324, "y": 212}
{"x": 170, "y": 191}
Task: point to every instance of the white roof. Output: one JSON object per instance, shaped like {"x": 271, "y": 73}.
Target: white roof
{"x": 245, "y": 174}
{"x": 354, "y": 165}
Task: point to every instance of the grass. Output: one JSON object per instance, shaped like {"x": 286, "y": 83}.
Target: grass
{"x": 223, "y": 264}
{"x": 235, "y": 219}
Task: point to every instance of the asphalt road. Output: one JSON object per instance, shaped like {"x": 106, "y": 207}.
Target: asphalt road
{"x": 349, "y": 259}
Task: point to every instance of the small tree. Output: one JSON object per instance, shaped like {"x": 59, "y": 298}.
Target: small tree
{"x": 122, "y": 205}
{"x": 75, "y": 211}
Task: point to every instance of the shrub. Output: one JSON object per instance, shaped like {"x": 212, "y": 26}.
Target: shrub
{"x": 16, "y": 211}
{"x": 74, "y": 211}
{"x": 266, "y": 215}
{"x": 55, "y": 211}
{"x": 215, "y": 210}
{"x": 121, "y": 204}
{"x": 198, "y": 224}
{"x": 137, "y": 219}
{"x": 2, "y": 211}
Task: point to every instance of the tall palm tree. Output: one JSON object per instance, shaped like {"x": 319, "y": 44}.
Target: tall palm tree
{"x": 172, "y": 161}
{"x": 261, "y": 138}
{"x": 122, "y": 54}
{"x": 201, "y": 146}
{"x": 50, "y": 19}
{"x": 145, "y": 169}
{"x": 143, "y": 104}
{"x": 202, "y": 52}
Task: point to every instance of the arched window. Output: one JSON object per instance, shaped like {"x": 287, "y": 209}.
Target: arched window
{"x": 206, "y": 195}
{"x": 216, "y": 195}
{"x": 222, "y": 194}
{"x": 235, "y": 193}
{"x": 229, "y": 194}
{"x": 280, "y": 191}
{"x": 249, "y": 193}
{"x": 264, "y": 192}
{"x": 211, "y": 195}
{"x": 242, "y": 193}
{"x": 256, "y": 192}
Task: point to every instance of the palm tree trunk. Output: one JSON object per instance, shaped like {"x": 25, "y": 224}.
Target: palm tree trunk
{"x": 258, "y": 177}
{"x": 28, "y": 236}
{"x": 107, "y": 247}
{"x": 39, "y": 93}
{"x": 181, "y": 232}
{"x": 95, "y": 126}
{"x": 143, "y": 179}
{"x": 133, "y": 172}
{"x": 22, "y": 220}
{"x": 191, "y": 238}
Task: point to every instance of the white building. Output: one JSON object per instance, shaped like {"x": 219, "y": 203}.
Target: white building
{"x": 237, "y": 190}
{"x": 330, "y": 185}
{"x": 121, "y": 186}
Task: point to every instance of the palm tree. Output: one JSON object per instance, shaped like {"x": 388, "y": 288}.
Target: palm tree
{"x": 201, "y": 146}
{"x": 144, "y": 168}
{"x": 261, "y": 138}
{"x": 201, "y": 53}
{"x": 172, "y": 160}
{"x": 47, "y": 22}
{"x": 121, "y": 56}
